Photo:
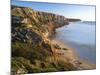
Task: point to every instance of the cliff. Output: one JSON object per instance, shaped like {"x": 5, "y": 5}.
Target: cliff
{"x": 73, "y": 20}
{"x": 32, "y": 50}
{"x": 32, "y": 19}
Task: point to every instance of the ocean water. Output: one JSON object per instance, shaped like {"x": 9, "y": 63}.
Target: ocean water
{"x": 81, "y": 37}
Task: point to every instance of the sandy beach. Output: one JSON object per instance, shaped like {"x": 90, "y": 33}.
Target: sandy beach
{"x": 72, "y": 56}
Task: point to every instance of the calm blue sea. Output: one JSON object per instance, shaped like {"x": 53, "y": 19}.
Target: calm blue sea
{"x": 81, "y": 37}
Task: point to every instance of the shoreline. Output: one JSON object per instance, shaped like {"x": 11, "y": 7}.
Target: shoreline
{"x": 72, "y": 56}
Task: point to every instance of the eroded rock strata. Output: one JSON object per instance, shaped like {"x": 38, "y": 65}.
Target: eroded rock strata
{"x": 32, "y": 50}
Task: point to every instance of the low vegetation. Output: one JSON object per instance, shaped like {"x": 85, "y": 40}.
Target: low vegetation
{"x": 31, "y": 53}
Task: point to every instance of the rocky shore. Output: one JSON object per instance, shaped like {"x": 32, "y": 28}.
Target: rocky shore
{"x": 32, "y": 49}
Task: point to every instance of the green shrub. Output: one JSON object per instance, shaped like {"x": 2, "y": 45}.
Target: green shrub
{"x": 64, "y": 48}
{"x": 65, "y": 66}
{"x": 17, "y": 66}
{"x": 30, "y": 51}
{"x": 49, "y": 70}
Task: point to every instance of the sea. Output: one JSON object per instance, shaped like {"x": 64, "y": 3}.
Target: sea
{"x": 81, "y": 36}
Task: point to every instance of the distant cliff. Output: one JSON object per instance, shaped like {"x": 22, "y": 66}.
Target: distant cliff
{"x": 73, "y": 20}
{"x": 31, "y": 47}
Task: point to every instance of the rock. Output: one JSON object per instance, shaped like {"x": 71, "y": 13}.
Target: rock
{"x": 30, "y": 33}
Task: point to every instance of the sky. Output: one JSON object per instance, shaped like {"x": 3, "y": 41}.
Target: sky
{"x": 83, "y": 12}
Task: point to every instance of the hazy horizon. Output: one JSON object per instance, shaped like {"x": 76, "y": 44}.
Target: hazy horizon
{"x": 83, "y": 12}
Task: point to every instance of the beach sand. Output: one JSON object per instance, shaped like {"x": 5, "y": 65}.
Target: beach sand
{"x": 73, "y": 57}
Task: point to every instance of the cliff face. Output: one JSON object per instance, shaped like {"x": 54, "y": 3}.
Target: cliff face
{"x": 31, "y": 47}
{"x": 73, "y": 20}
{"x": 45, "y": 22}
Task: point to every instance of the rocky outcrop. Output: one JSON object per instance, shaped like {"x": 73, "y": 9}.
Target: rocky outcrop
{"x": 31, "y": 32}
{"x": 47, "y": 22}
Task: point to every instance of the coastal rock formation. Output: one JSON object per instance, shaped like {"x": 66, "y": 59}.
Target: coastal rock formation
{"x": 31, "y": 47}
{"x": 73, "y": 20}
{"x": 46, "y": 22}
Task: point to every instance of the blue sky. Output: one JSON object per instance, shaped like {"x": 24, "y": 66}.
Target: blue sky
{"x": 82, "y": 12}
